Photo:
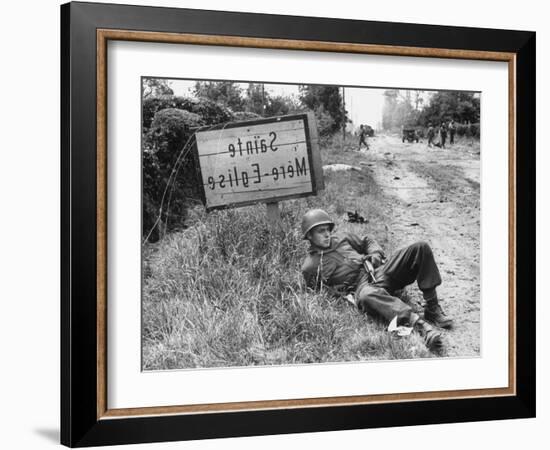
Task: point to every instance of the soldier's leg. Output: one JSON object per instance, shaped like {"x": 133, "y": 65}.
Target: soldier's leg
{"x": 415, "y": 263}
{"x": 377, "y": 300}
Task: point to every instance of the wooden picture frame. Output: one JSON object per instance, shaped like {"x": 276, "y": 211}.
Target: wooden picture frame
{"x": 86, "y": 418}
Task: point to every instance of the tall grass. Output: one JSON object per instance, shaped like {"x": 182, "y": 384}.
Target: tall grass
{"x": 228, "y": 290}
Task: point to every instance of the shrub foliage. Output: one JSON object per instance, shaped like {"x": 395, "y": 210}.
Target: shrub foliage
{"x": 169, "y": 170}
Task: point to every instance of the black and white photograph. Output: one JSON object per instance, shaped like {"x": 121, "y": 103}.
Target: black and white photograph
{"x": 275, "y": 225}
{"x": 287, "y": 224}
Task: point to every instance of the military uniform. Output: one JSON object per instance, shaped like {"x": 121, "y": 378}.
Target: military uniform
{"x": 452, "y": 131}
{"x": 431, "y": 135}
{"x": 362, "y": 138}
{"x": 341, "y": 267}
{"x": 442, "y": 135}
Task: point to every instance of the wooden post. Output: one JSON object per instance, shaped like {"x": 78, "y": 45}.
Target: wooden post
{"x": 315, "y": 152}
{"x": 274, "y": 215}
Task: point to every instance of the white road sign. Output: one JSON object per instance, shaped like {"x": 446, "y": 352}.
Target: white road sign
{"x": 265, "y": 160}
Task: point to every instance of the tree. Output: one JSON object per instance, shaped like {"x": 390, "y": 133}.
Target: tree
{"x": 256, "y": 98}
{"x": 280, "y": 105}
{"x": 327, "y": 99}
{"x": 226, "y": 93}
{"x": 463, "y": 107}
{"x": 154, "y": 87}
{"x": 390, "y": 104}
{"x": 418, "y": 100}
{"x": 398, "y": 110}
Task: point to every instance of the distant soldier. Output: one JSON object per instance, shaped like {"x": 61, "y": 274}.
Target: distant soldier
{"x": 442, "y": 134}
{"x": 346, "y": 263}
{"x": 363, "y": 136}
{"x": 431, "y": 134}
{"x": 452, "y": 131}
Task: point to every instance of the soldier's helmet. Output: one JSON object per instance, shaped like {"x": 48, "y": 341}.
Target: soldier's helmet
{"x": 315, "y": 217}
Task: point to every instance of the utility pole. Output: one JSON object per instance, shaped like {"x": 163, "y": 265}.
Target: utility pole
{"x": 263, "y": 101}
{"x": 351, "y": 113}
{"x": 344, "y": 113}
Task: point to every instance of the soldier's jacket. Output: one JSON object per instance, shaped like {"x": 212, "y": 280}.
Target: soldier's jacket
{"x": 339, "y": 266}
{"x": 431, "y": 132}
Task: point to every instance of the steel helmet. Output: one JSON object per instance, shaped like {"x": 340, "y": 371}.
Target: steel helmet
{"x": 315, "y": 217}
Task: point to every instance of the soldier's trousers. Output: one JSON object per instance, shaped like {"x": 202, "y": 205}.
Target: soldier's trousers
{"x": 413, "y": 263}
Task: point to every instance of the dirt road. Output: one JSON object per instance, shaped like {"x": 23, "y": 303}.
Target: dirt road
{"x": 433, "y": 195}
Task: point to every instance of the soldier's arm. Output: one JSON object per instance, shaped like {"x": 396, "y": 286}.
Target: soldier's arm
{"x": 371, "y": 246}
{"x": 365, "y": 246}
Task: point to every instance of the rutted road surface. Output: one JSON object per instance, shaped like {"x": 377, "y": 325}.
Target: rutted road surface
{"x": 433, "y": 195}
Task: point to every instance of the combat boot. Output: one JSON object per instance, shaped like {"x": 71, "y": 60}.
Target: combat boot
{"x": 432, "y": 338}
{"x": 434, "y": 314}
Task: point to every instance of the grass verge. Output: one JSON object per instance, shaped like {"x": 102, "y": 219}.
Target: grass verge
{"x": 227, "y": 291}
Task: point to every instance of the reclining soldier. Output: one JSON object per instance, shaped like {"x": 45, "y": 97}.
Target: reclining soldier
{"x": 342, "y": 262}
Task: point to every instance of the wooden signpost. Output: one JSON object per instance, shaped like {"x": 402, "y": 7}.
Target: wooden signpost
{"x": 265, "y": 160}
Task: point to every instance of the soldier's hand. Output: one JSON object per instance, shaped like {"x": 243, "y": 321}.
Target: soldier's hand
{"x": 375, "y": 259}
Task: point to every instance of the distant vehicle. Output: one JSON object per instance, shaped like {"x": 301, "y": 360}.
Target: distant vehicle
{"x": 409, "y": 135}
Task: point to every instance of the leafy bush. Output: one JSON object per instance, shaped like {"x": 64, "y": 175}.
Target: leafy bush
{"x": 170, "y": 181}
{"x": 325, "y": 122}
{"x": 210, "y": 112}
{"x": 471, "y": 130}
{"x": 245, "y": 115}
{"x": 169, "y": 175}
